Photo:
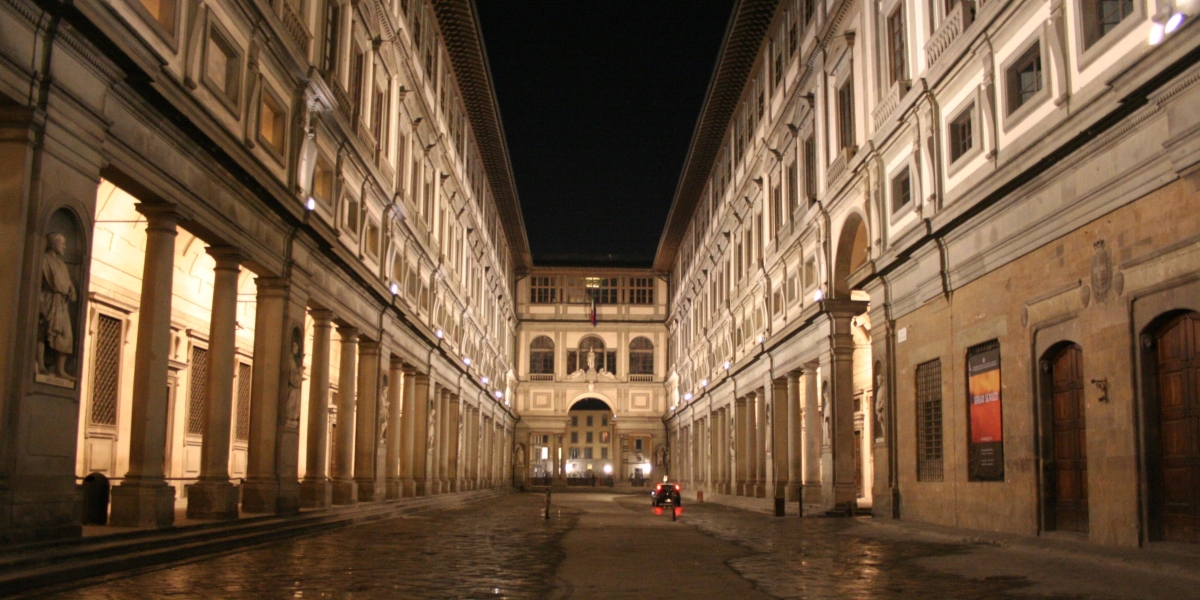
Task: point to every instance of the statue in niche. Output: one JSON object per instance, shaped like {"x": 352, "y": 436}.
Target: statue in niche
{"x": 826, "y": 418}
{"x": 880, "y": 403}
{"x": 519, "y": 455}
{"x": 591, "y": 360}
{"x": 57, "y": 334}
{"x": 291, "y": 413}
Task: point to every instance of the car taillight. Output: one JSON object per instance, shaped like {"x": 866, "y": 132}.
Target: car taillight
{"x": 658, "y": 488}
{"x": 677, "y": 487}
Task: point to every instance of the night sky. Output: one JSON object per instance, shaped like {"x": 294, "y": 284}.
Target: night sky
{"x": 599, "y": 100}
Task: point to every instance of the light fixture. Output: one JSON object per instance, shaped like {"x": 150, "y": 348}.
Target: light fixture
{"x": 646, "y": 467}
{"x": 484, "y": 380}
{"x": 672, "y": 409}
{"x": 703, "y": 383}
{"x": 439, "y": 333}
{"x": 395, "y": 289}
{"x": 498, "y": 394}
{"x": 818, "y": 296}
{"x": 608, "y": 469}
{"x": 467, "y": 360}
{"x": 1157, "y": 34}
{"x": 687, "y": 397}
{"x": 761, "y": 338}
{"x": 726, "y": 365}
{"x": 311, "y": 203}
{"x": 1173, "y": 23}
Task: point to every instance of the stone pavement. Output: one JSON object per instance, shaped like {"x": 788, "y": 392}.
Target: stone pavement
{"x": 611, "y": 546}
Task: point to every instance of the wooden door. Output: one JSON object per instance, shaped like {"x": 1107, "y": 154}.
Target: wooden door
{"x": 1179, "y": 427}
{"x": 1069, "y": 490}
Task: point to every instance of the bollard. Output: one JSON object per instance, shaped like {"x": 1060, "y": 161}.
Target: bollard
{"x": 95, "y": 499}
{"x": 547, "y": 503}
{"x": 699, "y": 497}
{"x": 673, "y": 512}
{"x": 780, "y": 505}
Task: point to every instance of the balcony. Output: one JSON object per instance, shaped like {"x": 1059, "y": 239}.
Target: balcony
{"x": 641, "y": 378}
{"x": 368, "y": 140}
{"x": 959, "y": 19}
{"x": 890, "y": 103}
{"x": 541, "y": 377}
{"x": 294, "y": 26}
{"x": 342, "y": 98}
{"x": 385, "y": 167}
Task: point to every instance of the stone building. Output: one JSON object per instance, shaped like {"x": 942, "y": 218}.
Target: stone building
{"x": 932, "y": 260}
{"x": 940, "y": 259}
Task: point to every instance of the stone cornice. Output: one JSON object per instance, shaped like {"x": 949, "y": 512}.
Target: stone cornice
{"x": 464, "y": 44}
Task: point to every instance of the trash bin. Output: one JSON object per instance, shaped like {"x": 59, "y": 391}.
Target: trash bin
{"x": 95, "y": 499}
{"x": 779, "y": 507}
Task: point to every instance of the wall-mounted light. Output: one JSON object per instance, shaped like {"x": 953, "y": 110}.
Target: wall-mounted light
{"x": 467, "y": 360}
{"x": 687, "y": 397}
{"x": 761, "y": 338}
{"x": 311, "y": 203}
{"x": 818, "y": 296}
{"x": 439, "y": 333}
{"x": 498, "y": 394}
{"x": 726, "y": 365}
{"x": 703, "y": 383}
{"x": 395, "y": 289}
{"x": 484, "y": 380}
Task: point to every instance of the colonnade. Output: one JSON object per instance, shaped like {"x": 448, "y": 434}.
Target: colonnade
{"x": 399, "y": 431}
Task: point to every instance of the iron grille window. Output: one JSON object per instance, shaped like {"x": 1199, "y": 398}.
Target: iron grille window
{"x": 898, "y": 46}
{"x": 901, "y": 190}
{"x": 846, "y": 115}
{"x": 641, "y": 290}
{"x": 197, "y": 391}
{"x": 108, "y": 365}
{"x": 541, "y": 355}
{"x": 641, "y": 357}
{"x": 1101, "y": 17}
{"x": 960, "y": 134}
{"x": 929, "y": 421}
{"x": 810, "y": 168}
{"x": 242, "y": 430}
{"x": 542, "y": 290}
{"x": 1025, "y": 77}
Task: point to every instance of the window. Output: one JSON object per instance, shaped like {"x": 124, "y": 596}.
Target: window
{"x": 846, "y": 116}
{"x": 323, "y": 181}
{"x": 602, "y": 289}
{"x": 604, "y": 423}
{"x": 641, "y": 290}
{"x": 810, "y": 168}
{"x": 379, "y": 118}
{"x": 575, "y": 453}
{"x": 541, "y": 355}
{"x": 372, "y": 238}
{"x": 542, "y": 290}
{"x": 197, "y": 391}
{"x": 637, "y": 444}
{"x": 575, "y": 421}
{"x": 604, "y": 453}
{"x": 896, "y": 43}
{"x": 901, "y": 190}
{"x": 272, "y": 119}
{"x": 333, "y": 30}
{"x": 1101, "y": 17}
{"x": 808, "y": 9}
{"x": 641, "y": 357}
{"x": 777, "y": 71}
{"x": 222, "y": 67}
{"x": 587, "y": 453}
{"x": 352, "y": 214}
{"x": 574, "y": 437}
{"x": 793, "y": 193}
{"x": 242, "y": 429}
{"x": 1025, "y": 77}
{"x": 960, "y": 133}
{"x": 105, "y": 371}
{"x": 793, "y": 37}
{"x": 162, "y": 14}
{"x": 589, "y": 424}
{"x": 589, "y": 434}
{"x": 357, "y": 74}
{"x": 929, "y": 421}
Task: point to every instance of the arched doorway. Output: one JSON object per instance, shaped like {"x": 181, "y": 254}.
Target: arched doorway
{"x": 852, "y": 252}
{"x": 1173, "y": 454}
{"x": 590, "y": 441}
{"x": 1065, "y": 449}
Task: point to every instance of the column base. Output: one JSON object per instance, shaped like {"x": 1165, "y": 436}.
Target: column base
{"x": 369, "y": 491}
{"x": 345, "y": 493}
{"x": 793, "y": 492}
{"x": 845, "y": 493}
{"x": 212, "y": 500}
{"x": 422, "y": 488}
{"x": 143, "y": 505}
{"x": 393, "y": 490}
{"x": 760, "y": 490}
{"x": 455, "y": 486}
{"x": 408, "y": 487}
{"x": 316, "y": 494}
{"x": 260, "y": 496}
{"x": 812, "y": 493}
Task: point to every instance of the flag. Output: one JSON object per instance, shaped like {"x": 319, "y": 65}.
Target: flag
{"x": 593, "y": 311}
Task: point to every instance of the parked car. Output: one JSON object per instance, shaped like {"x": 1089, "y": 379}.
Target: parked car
{"x": 666, "y": 493}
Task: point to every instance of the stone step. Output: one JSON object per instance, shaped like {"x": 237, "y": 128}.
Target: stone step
{"x": 32, "y": 566}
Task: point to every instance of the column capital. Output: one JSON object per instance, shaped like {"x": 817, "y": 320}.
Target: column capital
{"x": 321, "y": 316}
{"x": 793, "y": 377}
{"x": 227, "y": 257}
{"x": 348, "y": 333}
{"x": 160, "y": 216}
{"x": 271, "y": 286}
{"x": 396, "y": 363}
{"x": 368, "y": 346}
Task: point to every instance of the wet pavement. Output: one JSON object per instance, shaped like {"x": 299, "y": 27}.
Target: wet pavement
{"x": 606, "y": 546}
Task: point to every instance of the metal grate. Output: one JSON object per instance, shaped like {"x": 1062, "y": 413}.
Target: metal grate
{"x": 108, "y": 365}
{"x": 929, "y": 421}
{"x": 197, "y": 391}
{"x": 242, "y": 433}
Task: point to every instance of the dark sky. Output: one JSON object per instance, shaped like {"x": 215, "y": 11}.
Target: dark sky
{"x": 599, "y": 100}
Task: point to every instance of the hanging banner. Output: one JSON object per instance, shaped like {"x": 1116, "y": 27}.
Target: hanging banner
{"x": 987, "y": 427}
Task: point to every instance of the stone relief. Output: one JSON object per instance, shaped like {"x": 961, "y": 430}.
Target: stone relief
{"x": 56, "y": 335}
{"x": 291, "y": 414}
{"x": 880, "y": 402}
{"x": 1102, "y": 272}
{"x": 825, "y": 416}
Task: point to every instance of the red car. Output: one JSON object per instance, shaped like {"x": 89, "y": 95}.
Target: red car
{"x": 666, "y": 493}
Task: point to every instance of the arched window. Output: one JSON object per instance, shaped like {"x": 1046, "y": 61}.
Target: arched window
{"x": 605, "y": 360}
{"x": 641, "y": 356}
{"x": 541, "y": 355}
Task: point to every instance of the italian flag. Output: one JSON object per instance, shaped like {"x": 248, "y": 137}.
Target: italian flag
{"x": 593, "y": 311}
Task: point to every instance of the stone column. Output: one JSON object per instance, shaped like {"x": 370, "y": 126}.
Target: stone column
{"x": 366, "y": 416}
{"x": 555, "y": 444}
{"x": 741, "y": 447}
{"x": 793, "y": 437}
{"x": 845, "y": 490}
{"x": 396, "y": 393}
{"x": 780, "y": 416}
{"x": 407, "y": 428}
{"x": 760, "y": 444}
{"x": 315, "y": 489}
{"x": 445, "y": 441}
{"x": 420, "y": 434}
{"x": 812, "y": 437}
{"x": 454, "y": 441}
{"x": 345, "y": 491}
{"x": 213, "y": 496}
{"x": 271, "y": 483}
{"x": 143, "y": 499}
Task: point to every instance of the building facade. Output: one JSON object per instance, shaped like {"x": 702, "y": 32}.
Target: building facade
{"x": 939, "y": 259}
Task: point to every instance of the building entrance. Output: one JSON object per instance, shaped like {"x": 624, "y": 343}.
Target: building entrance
{"x": 1179, "y": 427}
{"x": 1067, "y": 487}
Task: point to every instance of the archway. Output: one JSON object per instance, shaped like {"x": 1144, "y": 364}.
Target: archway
{"x": 591, "y": 446}
{"x": 853, "y": 251}
{"x": 1064, "y": 446}
{"x": 1173, "y": 426}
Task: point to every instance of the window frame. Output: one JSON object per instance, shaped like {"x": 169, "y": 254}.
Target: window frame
{"x": 170, "y": 35}
{"x": 1087, "y": 53}
{"x": 267, "y": 93}
{"x": 1014, "y": 115}
{"x": 968, "y": 108}
{"x": 229, "y": 98}
{"x": 896, "y": 210}
{"x": 897, "y": 73}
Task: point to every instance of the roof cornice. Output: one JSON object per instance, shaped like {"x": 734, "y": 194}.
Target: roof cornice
{"x": 743, "y": 39}
{"x": 459, "y": 23}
